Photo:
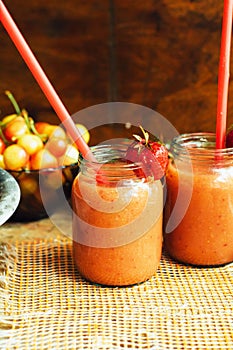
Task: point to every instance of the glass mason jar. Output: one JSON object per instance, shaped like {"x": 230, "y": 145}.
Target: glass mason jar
{"x": 117, "y": 219}
{"x": 198, "y": 212}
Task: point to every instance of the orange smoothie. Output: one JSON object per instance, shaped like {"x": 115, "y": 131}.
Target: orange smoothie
{"x": 117, "y": 228}
{"x": 204, "y": 236}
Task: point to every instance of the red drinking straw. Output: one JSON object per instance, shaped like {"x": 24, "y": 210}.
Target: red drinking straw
{"x": 223, "y": 74}
{"x": 43, "y": 81}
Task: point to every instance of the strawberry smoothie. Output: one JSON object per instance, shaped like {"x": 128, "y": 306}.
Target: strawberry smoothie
{"x": 204, "y": 235}
{"x": 117, "y": 225}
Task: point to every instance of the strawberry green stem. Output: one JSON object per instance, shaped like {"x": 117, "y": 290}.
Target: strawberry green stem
{"x": 13, "y": 101}
{"x": 145, "y": 134}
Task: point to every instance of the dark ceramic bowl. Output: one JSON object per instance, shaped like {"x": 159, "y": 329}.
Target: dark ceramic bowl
{"x": 43, "y": 192}
{"x": 9, "y": 195}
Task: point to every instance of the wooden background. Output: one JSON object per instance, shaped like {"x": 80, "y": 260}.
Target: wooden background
{"x": 160, "y": 54}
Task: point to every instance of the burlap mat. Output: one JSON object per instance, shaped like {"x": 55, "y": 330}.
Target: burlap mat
{"x": 44, "y": 304}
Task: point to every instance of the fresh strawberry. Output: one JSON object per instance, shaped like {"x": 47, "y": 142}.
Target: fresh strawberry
{"x": 151, "y": 156}
{"x": 229, "y": 137}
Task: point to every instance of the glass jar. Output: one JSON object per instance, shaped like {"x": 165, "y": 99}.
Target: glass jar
{"x": 198, "y": 220}
{"x": 117, "y": 219}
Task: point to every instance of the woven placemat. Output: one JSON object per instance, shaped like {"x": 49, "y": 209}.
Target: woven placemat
{"x": 45, "y": 304}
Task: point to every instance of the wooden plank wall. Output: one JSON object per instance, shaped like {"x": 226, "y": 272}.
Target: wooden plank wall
{"x": 160, "y": 54}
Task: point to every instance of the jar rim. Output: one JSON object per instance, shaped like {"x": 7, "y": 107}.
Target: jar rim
{"x": 112, "y": 157}
{"x": 200, "y": 149}
{"x": 194, "y": 142}
{"x": 108, "y": 152}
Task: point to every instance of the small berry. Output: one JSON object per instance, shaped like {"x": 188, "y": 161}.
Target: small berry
{"x": 151, "y": 155}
